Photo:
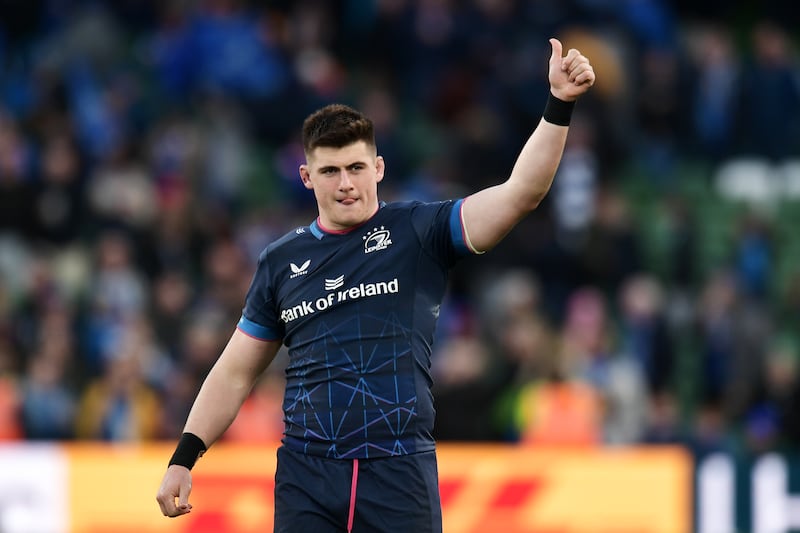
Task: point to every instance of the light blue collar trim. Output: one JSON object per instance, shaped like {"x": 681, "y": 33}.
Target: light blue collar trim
{"x": 316, "y": 231}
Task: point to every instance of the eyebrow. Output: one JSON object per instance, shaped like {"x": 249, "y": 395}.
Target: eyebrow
{"x": 334, "y": 167}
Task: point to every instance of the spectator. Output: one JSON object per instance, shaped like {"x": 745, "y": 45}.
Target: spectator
{"x": 663, "y": 424}
{"x": 556, "y": 412}
{"x": 588, "y": 354}
{"x": 644, "y": 335}
{"x": 10, "y": 397}
{"x": 118, "y": 294}
{"x": 121, "y": 193}
{"x": 172, "y": 301}
{"x": 754, "y": 257}
{"x": 118, "y": 406}
{"x": 715, "y": 92}
{"x": 463, "y": 390}
{"x": 773, "y": 421}
{"x": 16, "y": 190}
{"x": 733, "y": 341}
{"x": 660, "y": 105}
{"x": 59, "y": 203}
{"x": 612, "y": 250}
{"x": 48, "y": 404}
{"x": 770, "y": 97}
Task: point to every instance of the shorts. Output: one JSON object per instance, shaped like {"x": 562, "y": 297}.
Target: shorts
{"x": 388, "y": 494}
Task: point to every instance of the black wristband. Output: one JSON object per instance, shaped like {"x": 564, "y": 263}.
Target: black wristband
{"x": 557, "y": 111}
{"x": 189, "y": 449}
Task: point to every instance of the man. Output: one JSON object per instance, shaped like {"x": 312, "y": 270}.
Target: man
{"x": 355, "y": 297}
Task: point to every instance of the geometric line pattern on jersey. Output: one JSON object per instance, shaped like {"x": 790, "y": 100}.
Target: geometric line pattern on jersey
{"x": 356, "y": 384}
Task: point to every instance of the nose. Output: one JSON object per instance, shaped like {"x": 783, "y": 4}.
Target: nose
{"x": 344, "y": 182}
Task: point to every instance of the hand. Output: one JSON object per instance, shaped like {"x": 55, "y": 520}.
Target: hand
{"x": 569, "y": 76}
{"x": 177, "y": 483}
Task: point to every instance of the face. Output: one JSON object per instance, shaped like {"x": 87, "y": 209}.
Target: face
{"x": 345, "y": 183}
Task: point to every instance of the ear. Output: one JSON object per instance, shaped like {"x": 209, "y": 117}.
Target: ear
{"x": 305, "y": 176}
{"x": 380, "y": 168}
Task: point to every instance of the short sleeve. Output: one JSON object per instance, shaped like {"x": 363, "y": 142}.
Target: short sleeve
{"x": 259, "y": 316}
{"x": 440, "y": 228}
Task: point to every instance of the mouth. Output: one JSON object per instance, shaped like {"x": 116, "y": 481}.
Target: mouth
{"x": 347, "y": 201}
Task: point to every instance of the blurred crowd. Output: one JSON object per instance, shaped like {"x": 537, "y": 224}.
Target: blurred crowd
{"x": 149, "y": 152}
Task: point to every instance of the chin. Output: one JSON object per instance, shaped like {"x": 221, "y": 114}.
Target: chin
{"x": 351, "y": 215}
{"x": 354, "y": 220}
{"x": 345, "y": 216}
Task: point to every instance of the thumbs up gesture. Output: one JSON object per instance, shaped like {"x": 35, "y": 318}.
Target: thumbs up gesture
{"x": 570, "y": 76}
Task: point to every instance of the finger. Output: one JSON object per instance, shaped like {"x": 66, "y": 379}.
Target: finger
{"x": 183, "y": 499}
{"x": 586, "y": 77}
{"x": 581, "y": 72}
{"x": 557, "y": 49}
{"x": 162, "y": 506}
{"x": 167, "y": 504}
{"x": 578, "y": 69}
{"x": 573, "y": 59}
{"x": 182, "y": 509}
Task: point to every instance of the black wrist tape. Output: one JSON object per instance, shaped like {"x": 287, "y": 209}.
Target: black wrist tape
{"x": 558, "y": 111}
{"x": 188, "y": 451}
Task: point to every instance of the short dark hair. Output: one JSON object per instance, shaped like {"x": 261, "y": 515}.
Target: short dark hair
{"x": 336, "y": 126}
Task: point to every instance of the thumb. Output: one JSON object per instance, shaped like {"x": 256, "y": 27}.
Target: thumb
{"x": 557, "y": 49}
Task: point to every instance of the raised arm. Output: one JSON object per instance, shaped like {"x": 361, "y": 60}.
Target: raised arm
{"x": 224, "y": 390}
{"x": 490, "y": 214}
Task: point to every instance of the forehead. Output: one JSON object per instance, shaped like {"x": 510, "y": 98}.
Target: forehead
{"x": 324, "y": 156}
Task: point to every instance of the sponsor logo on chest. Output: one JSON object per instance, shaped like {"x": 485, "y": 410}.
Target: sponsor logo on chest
{"x": 334, "y": 297}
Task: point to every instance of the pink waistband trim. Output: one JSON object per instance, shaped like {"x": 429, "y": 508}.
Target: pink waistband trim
{"x": 353, "y": 486}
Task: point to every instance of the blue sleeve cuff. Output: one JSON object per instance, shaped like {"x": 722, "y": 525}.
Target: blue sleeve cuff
{"x": 458, "y": 232}
{"x": 257, "y": 331}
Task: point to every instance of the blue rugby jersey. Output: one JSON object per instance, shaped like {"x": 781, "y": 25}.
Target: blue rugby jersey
{"x": 357, "y": 311}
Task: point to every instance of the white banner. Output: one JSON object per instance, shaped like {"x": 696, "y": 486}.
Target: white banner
{"x": 33, "y": 489}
